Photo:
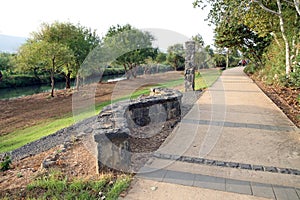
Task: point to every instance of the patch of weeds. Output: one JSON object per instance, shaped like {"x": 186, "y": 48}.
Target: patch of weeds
{"x": 54, "y": 185}
{"x": 121, "y": 184}
{"x": 19, "y": 175}
{"x": 5, "y": 164}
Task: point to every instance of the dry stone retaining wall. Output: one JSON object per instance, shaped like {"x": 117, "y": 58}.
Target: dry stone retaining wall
{"x": 119, "y": 122}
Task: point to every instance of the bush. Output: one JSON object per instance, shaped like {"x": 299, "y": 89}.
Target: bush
{"x": 250, "y": 69}
{"x": 5, "y": 164}
{"x": 22, "y": 80}
{"x": 294, "y": 80}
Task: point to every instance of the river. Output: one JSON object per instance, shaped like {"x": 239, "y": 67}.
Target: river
{"x": 9, "y": 93}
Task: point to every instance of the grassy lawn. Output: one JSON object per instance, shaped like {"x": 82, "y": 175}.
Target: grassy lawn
{"x": 205, "y": 78}
{"x": 21, "y": 137}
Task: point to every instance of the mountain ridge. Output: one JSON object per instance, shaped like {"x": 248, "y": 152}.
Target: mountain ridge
{"x": 10, "y": 44}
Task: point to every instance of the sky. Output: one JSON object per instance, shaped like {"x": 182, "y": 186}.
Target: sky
{"x": 21, "y": 17}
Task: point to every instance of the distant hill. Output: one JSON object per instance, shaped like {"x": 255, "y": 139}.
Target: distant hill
{"x": 10, "y": 44}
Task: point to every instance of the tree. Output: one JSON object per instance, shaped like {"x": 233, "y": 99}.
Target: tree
{"x": 262, "y": 21}
{"x": 161, "y": 57}
{"x": 131, "y": 46}
{"x": 203, "y": 56}
{"x": 6, "y": 62}
{"x": 279, "y": 14}
{"x": 199, "y": 40}
{"x": 44, "y": 56}
{"x": 79, "y": 39}
{"x": 175, "y": 56}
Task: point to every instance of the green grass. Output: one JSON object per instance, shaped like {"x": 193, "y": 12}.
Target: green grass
{"x": 205, "y": 78}
{"x": 21, "y": 137}
{"x": 55, "y": 185}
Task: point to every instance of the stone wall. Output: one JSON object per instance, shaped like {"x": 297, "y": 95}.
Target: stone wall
{"x": 189, "y": 71}
{"x": 119, "y": 122}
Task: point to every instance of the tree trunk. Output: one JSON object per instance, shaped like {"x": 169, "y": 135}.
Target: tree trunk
{"x": 285, "y": 39}
{"x": 68, "y": 80}
{"x": 52, "y": 76}
{"x": 134, "y": 70}
{"x": 127, "y": 71}
{"x": 77, "y": 81}
{"x": 287, "y": 46}
{"x": 52, "y": 83}
{"x": 297, "y": 6}
{"x": 227, "y": 59}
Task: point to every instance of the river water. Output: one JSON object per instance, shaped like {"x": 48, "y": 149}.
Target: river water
{"x": 9, "y": 93}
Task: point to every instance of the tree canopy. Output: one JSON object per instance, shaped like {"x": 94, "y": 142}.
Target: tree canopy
{"x": 131, "y": 46}
{"x": 255, "y": 26}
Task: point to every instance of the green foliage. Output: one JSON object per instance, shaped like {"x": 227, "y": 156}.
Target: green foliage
{"x": 161, "y": 57}
{"x": 5, "y": 164}
{"x": 128, "y": 47}
{"x": 79, "y": 39}
{"x": 55, "y": 185}
{"x": 6, "y": 62}
{"x": 273, "y": 71}
{"x": 58, "y": 48}
{"x": 294, "y": 80}
{"x": 250, "y": 69}
{"x": 45, "y": 56}
{"x": 254, "y": 28}
{"x": 205, "y": 78}
{"x": 175, "y": 56}
{"x": 121, "y": 184}
{"x": 22, "y": 80}
{"x": 198, "y": 39}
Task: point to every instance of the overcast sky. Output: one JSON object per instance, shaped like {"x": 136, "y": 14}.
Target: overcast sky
{"x": 21, "y": 17}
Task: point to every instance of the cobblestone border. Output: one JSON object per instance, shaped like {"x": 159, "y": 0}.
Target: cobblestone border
{"x": 236, "y": 165}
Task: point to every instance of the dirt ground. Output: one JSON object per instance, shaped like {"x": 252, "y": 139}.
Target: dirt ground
{"x": 35, "y": 109}
{"x": 75, "y": 163}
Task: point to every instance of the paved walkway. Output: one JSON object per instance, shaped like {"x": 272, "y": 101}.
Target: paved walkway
{"x": 235, "y": 143}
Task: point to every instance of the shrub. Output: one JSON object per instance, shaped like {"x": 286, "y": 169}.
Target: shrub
{"x": 5, "y": 164}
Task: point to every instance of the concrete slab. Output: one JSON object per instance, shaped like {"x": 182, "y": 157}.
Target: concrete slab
{"x": 237, "y": 186}
{"x": 285, "y": 193}
{"x": 152, "y": 190}
{"x": 263, "y": 190}
{"x": 151, "y": 173}
{"x": 182, "y": 178}
{"x": 209, "y": 182}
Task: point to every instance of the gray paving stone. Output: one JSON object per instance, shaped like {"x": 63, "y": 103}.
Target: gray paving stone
{"x": 258, "y": 168}
{"x": 263, "y": 190}
{"x": 246, "y": 166}
{"x": 284, "y": 171}
{"x": 233, "y": 164}
{"x": 270, "y": 169}
{"x": 221, "y": 163}
{"x": 294, "y": 171}
{"x": 152, "y": 174}
{"x": 209, "y": 162}
{"x": 209, "y": 182}
{"x": 255, "y": 126}
{"x": 242, "y": 187}
{"x": 182, "y": 178}
{"x": 199, "y": 160}
{"x": 285, "y": 193}
{"x": 298, "y": 192}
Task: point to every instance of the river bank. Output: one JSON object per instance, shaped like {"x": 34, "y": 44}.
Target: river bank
{"x": 16, "y": 92}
